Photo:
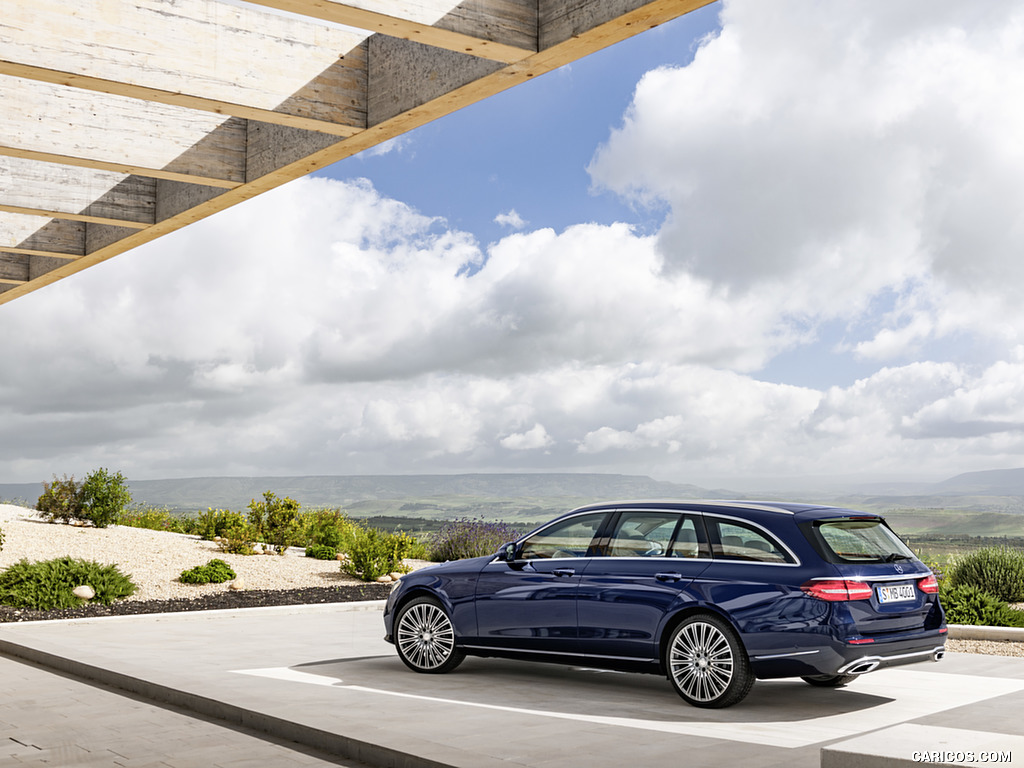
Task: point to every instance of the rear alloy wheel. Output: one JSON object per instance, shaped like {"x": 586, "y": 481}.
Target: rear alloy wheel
{"x": 425, "y": 637}
{"x": 707, "y": 664}
{"x": 829, "y": 681}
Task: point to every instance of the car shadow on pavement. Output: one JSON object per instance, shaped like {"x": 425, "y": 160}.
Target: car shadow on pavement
{"x": 587, "y": 692}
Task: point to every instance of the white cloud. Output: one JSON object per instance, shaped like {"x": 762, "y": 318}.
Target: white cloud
{"x": 820, "y": 153}
{"x": 855, "y": 163}
{"x": 532, "y": 439}
{"x": 510, "y": 219}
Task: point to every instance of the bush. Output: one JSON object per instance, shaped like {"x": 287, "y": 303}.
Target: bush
{"x": 967, "y": 604}
{"x": 46, "y": 585}
{"x": 275, "y": 521}
{"x": 375, "y": 553}
{"x": 154, "y": 519}
{"x": 104, "y": 497}
{"x": 321, "y": 552}
{"x": 61, "y": 500}
{"x": 324, "y": 527}
{"x": 999, "y": 571}
{"x": 212, "y": 523}
{"x": 1, "y": 539}
{"x": 238, "y": 538}
{"x": 214, "y": 572}
{"x": 464, "y": 538}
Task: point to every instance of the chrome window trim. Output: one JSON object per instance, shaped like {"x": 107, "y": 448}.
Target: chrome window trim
{"x": 768, "y": 534}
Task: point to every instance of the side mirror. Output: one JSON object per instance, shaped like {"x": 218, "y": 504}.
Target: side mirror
{"x": 508, "y": 552}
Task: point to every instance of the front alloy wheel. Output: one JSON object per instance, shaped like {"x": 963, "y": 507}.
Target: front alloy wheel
{"x": 425, "y": 638}
{"x": 707, "y": 664}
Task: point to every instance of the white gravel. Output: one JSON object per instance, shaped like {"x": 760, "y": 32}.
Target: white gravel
{"x": 155, "y": 559}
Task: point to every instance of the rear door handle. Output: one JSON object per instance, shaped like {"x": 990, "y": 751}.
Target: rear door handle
{"x": 564, "y": 571}
{"x": 668, "y": 576}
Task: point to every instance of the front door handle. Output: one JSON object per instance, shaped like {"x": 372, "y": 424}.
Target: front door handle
{"x": 564, "y": 571}
{"x": 668, "y": 576}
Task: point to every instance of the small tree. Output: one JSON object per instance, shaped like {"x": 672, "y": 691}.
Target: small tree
{"x": 275, "y": 521}
{"x": 61, "y": 500}
{"x": 104, "y": 497}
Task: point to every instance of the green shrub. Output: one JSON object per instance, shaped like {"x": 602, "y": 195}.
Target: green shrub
{"x": 214, "y": 572}
{"x": 275, "y": 521}
{"x": 967, "y": 604}
{"x": 374, "y": 553}
{"x": 104, "y": 497}
{"x": 154, "y": 519}
{"x": 326, "y": 527}
{"x": 61, "y": 500}
{"x": 218, "y": 522}
{"x": 321, "y": 552}
{"x": 238, "y": 538}
{"x": 464, "y": 538}
{"x": 48, "y": 584}
{"x": 999, "y": 571}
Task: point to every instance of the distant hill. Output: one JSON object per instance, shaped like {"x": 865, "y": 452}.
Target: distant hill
{"x": 425, "y": 495}
{"x": 992, "y": 482}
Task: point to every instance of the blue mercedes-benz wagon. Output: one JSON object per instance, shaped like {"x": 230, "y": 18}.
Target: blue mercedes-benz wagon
{"x": 711, "y": 594}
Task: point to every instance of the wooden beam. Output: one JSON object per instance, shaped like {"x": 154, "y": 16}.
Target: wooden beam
{"x": 125, "y": 168}
{"x": 173, "y": 98}
{"x": 421, "y": 89}
{"x": 11, "y": 281}
{"x": 37, "y": 252}
{"x": 507, "y": 34}
{"x": 24, "y": 211}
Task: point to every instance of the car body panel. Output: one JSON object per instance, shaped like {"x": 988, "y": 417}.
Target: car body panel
{"x": 748, "y": 563}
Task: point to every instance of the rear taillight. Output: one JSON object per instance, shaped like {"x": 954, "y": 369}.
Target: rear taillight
{"x": 837, "y": 590}
{"x": 929, "y": 584}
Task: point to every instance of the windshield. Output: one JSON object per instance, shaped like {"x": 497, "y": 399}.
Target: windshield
{"x": 860, "y": 541}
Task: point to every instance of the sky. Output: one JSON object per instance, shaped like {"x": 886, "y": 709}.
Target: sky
{"x": 763, "y": 241}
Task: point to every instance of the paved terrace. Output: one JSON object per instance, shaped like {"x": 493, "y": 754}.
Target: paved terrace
{"x": 316, "y": 685}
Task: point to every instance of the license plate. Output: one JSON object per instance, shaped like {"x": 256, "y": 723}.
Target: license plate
{"x": 896, "y": 593}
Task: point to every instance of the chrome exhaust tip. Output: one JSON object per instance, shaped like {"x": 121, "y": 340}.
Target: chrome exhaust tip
{"x": 861, "y": 666}
{"x": 938, "y": 654}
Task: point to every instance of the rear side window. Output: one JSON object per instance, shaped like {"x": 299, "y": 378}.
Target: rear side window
{"x": 733, "y": 540}
{"x": 861, "y": 541}
{"x": 643, "y": 534}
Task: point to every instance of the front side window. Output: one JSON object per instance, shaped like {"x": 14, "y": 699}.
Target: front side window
{"x": 733, "y": 540}
{"x": 568, "y": 538}
{"x": 862, "y": 541}
{"x": 642, "y": 534}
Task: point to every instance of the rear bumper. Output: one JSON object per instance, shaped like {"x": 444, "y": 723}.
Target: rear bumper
{"x": 843, "y": 658}
{"x": 870, "y": 663}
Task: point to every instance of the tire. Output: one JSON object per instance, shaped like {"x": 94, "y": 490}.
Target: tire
{"x": 707, "y": 664}
{"x": 829, "y": 681}
{"x": 425, "y": 637}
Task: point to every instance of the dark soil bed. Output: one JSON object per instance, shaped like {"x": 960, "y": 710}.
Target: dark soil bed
{"x": 226, "y": 599}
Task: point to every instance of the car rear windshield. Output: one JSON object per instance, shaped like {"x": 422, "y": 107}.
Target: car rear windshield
{"x": 861, "y": 541}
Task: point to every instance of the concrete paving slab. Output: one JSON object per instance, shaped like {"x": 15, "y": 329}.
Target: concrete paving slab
{"x": 48, "y": 719}
{"x": 322, "y": 676}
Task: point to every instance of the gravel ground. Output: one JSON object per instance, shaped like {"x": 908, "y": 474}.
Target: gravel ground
{"x": 155, "y": 559}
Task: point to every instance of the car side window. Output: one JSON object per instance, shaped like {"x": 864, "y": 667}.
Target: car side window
{"x": 568, "y": 538}
{"x": 688, "y": 540}
{"x": 642, "y": 534}
{"x": 733, "y": 540}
